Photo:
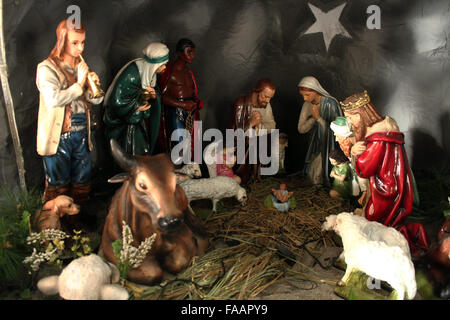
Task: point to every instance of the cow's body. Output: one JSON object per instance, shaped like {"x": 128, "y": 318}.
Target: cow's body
{"x": 149, "y": 201}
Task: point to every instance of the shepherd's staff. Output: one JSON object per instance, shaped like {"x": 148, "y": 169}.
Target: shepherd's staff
{"x": 9, "y": 105}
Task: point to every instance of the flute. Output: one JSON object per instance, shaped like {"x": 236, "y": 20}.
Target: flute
{"x": 94, "y": 87}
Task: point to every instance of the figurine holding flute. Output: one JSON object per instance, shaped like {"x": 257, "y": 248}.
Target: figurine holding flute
{"x": 66, "y": 88}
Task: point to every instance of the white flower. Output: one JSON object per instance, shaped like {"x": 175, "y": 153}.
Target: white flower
{"x": 135, "y": 256}
{"x": 142, "y": 251}
{"x": 46, "y": 235}
{"x": 37, "y": 258}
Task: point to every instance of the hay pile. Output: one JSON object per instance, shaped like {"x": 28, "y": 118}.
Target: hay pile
{"x": 267, "y": 227}
{"x": 252, "y": 245}
{"x": 239, "y": 272}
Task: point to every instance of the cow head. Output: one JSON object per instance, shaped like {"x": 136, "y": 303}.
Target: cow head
{"x": 153, "y": 188}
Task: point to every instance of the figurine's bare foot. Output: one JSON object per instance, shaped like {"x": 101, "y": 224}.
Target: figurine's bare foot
{"x": 358, "y": 212}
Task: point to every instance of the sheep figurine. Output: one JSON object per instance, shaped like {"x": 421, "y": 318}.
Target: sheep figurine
{"x": 188, "y": 171}
{"x": 215, "y": 188}
{"x": 86, "y": 278}
{"x": 380, "y": 252}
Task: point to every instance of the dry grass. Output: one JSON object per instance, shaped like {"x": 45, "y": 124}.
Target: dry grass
{"x": 257, "y": 238}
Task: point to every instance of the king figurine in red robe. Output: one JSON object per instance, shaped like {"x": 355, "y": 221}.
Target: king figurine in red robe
{"x": 381, "y": 158}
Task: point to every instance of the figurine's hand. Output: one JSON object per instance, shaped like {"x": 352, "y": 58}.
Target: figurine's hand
{"x": 285, "y": 197}
{"x": 144, "y": 107}
{"x": 315, "y": 111}
{"x": 95, "y": 78}
{"x": 190, "y": 105}
{"x": 83, "y": 71}
{"x": 358, "y": 148}
{"x": 255, "y": 119}
{"x": 152, "y": 92}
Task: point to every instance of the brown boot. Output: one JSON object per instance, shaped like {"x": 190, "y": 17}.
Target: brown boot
{"x": 51, "y": 192}
{"x": 80, "y": 193}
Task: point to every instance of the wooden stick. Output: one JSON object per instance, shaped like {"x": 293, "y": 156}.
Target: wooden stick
{"x": 9, "y": 106}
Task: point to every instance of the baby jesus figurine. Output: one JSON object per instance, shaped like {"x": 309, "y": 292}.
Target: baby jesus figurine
{"x": 280, "y": 198}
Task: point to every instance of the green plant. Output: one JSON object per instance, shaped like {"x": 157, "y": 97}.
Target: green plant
{"x": 81, "y": 245}
{"x": 15, "y": 226}
{"x": 10, "y": 257}
{"x": 13, "y": 203}
{"x": 49, "y": 246}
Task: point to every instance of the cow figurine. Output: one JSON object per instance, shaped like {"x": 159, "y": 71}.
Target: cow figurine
{"x": 150, "y": 201}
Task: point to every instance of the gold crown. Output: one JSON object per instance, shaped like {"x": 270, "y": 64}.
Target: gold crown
{"x": 362, "y": 101}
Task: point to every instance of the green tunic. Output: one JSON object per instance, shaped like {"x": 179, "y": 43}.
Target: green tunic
{"x": 344, "y": 188}
{"x": 123, "y": 123}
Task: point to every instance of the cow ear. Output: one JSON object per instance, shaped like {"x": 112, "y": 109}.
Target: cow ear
{"x": 125, "y": 161}
{"x": 180, "y": 198}
{"x": 121, "y": 177}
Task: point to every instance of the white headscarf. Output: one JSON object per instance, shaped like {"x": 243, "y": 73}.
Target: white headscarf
{"x": 147, "y": 70}
{"x": 313, "y": 83}
{"x": 154, "y": 50}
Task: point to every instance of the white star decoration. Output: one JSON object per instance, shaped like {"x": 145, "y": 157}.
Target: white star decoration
{"x": 328, "y": 24}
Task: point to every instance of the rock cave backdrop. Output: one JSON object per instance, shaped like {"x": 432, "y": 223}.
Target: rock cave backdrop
{"x": 404, "y": 65}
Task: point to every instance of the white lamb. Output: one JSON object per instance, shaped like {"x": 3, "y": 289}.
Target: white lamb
{"x": 380, "y": 252}
{"x": 86, "y": 278}
{"x": 190, "y": 169}
{"x": 215, "y": 188}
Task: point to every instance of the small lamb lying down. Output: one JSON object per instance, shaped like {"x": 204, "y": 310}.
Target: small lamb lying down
{"x": 215, "y": 189}
{"x": 85, "y": 278}
{"x": 188, "y": 171}
{"x": 380, "y": 252}
{"x": 49, "y": 217}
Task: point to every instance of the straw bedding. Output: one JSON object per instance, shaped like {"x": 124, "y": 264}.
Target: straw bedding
{"x": 252, "y": 247}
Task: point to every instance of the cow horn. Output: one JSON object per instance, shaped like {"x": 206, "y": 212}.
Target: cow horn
{"x": 125, "y": 161}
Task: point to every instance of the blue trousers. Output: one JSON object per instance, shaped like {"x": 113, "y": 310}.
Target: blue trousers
{"x": 72, "y": 161}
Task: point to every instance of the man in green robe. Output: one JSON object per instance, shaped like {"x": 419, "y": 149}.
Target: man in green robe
{"x": 133, "y": 102}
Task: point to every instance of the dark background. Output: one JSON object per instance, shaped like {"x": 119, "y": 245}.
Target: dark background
{"x": 404, "y": 65}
